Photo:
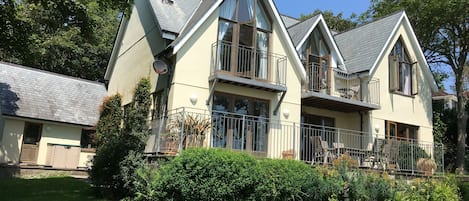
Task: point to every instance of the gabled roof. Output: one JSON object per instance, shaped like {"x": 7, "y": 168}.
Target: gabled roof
{"x": 362, "y": 46}
{"x": 172, "y": 15}
{"x": 301, "y": 31}
{"x": 37, "y": 94}
{"x": 207, "y": 7}
{"x": 201, "y": 14}
{"x": 289, "y": 21}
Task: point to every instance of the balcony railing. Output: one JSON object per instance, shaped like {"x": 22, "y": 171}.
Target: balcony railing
{"x": 249, "y": 63}
{"x": 262, "y": 137}
{"x": 334, "y": 82}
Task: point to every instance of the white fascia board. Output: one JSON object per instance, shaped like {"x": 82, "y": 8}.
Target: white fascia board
{"x": 116, "y": 48}
{"x": 291, "y": 47}
{"x": 191, "y": 32}
{"x": 414, "y": 42}
{"x": 383, "y": 49}
{"x": 416, "y": 45}
{"x": 331, "y": 40}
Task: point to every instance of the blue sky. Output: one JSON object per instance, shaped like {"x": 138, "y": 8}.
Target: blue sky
{"x": 295, "y": 8}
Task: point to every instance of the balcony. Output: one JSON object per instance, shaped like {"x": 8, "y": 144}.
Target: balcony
{"x": 262, "y": 137}
{"x": 245, "y": 66}
{"x": 333, "y": 89}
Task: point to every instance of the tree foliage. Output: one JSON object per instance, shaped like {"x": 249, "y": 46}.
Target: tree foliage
{"x": 335, "y": 22}
{"x": 120, "y": 152}
{"x": 442, "y": 29}
{"x": 72, "y": 37}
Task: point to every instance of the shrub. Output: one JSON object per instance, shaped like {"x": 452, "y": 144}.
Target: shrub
{"x": 284, "y": 180}
{"x": 201, "y": 174}
{"x": 429, "y": 189}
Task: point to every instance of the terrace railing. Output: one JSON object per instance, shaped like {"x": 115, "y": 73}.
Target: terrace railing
{"x": 249, "y": 63}
{"x": 263, "y": 137}
{"x": 335, "y": 82}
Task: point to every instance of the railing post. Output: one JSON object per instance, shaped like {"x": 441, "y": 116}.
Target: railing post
{"x": 412, "y": 157}
{"x": 294, "y": 140}
{"x": 181, "y": 132}
{"x": 338, "y": 141}
{"x": 242, "y": 132}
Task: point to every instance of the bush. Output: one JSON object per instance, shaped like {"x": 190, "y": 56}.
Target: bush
{"x": 215, "y": 174}
{"x": 284, "y": 180}
{"x": 429, "y": 189}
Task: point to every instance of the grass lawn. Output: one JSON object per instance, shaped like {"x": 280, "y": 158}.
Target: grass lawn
{"x": 57, "y": 188}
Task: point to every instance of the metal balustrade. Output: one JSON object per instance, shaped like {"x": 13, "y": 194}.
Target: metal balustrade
{"x": 335, "y": 82}
{"x": 249, "y": 63}
{"x": 262, "y": 137}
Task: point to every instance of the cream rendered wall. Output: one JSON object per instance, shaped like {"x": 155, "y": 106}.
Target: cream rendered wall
{"x": 85, "y": 159}
{"x": 399, "y": 108}
{"x": 141, "y": 40}
{"x": 350, "y": 121}
{"x": 193, "y": 69}
{"x": 10, "y": 146}
{"x": 57, "y": 134}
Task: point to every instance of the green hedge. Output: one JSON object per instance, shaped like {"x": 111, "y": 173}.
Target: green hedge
{"x": 215, "y": 174}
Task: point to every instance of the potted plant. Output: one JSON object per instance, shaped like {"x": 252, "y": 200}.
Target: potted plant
{"x": 194, "y": 128}
{"x": 427, "y": 165}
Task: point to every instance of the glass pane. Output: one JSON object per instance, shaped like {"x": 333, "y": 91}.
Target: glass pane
{"x": 262, "y": 55}
{"x": 245, "y": 52}
{"x": 227, "y": 9}
{"x": 225, "y": 37}
{"x": 315, "y": 42}
{"x": 246, "y": 10}
{"x": 225, "y": 31}
{"x": 241, "y": 106}
{"x": 262, "y": 21}
{"x": 324, "y": 49}
{"x": 220, "y": 103}
{"x": 32, "y": 133}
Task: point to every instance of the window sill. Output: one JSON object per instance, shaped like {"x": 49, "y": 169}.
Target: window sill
{"x": 403, "y": 94}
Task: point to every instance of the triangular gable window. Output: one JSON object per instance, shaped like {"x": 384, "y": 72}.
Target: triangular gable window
{"x": 403, "y": 73}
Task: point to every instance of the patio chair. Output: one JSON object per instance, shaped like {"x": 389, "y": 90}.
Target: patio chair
{"x": 321, "y": 149}
{"x": 390, "y": 154}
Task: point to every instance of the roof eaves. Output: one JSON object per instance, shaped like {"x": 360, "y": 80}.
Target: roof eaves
{"x": 289, "y": 41}
{"x": 186, "y": 37}
{"x": 386, "y": 44}
{"x": 116, "y": 48}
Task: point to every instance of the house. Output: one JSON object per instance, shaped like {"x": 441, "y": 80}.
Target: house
{"x": 449, "y": 101}
{"x": 43, "y": 116}
{"x": 239, "y": 75}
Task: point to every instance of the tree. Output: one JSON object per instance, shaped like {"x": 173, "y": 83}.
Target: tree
{"x": 122, "y": 138}
{"x": 335, "y": 22}
{"x": 442, "y": 29}
{"x": 72, "y": 37}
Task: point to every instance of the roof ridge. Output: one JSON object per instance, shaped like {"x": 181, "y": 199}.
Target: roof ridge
{"x": 371, "y": 22}
{"x": 290, "y": 17}
{"x": 51, "y": 73}
{"x": 303, "y": 20}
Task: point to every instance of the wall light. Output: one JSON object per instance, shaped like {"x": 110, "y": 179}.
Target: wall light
{"x": 286, "y": 113}
{"x": 193, "y": 99}
{"x": 377, "y": 127}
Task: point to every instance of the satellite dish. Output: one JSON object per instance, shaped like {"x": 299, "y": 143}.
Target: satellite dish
{"x": 160, "y": 67}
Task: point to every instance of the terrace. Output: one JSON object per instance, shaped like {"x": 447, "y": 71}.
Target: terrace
{"x": 263, "y": 137}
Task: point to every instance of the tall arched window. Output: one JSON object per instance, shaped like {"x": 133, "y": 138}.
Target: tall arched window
{"x": 315, "y": 55}
{"x": 244, "y": 33}
{"x": 402, "y": 71}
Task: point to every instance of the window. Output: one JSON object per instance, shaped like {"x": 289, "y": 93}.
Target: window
{"x": 243, "y": 33}
{"x": 399, "y": 131}
{"x": 240, "y": 123}
{"x": 88, "y": 138}
{"x": 315, "y": 56}
{"x": 402, "y": 71}
{"x": 32, "y": 133}
{"x": 157, "y": 104}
